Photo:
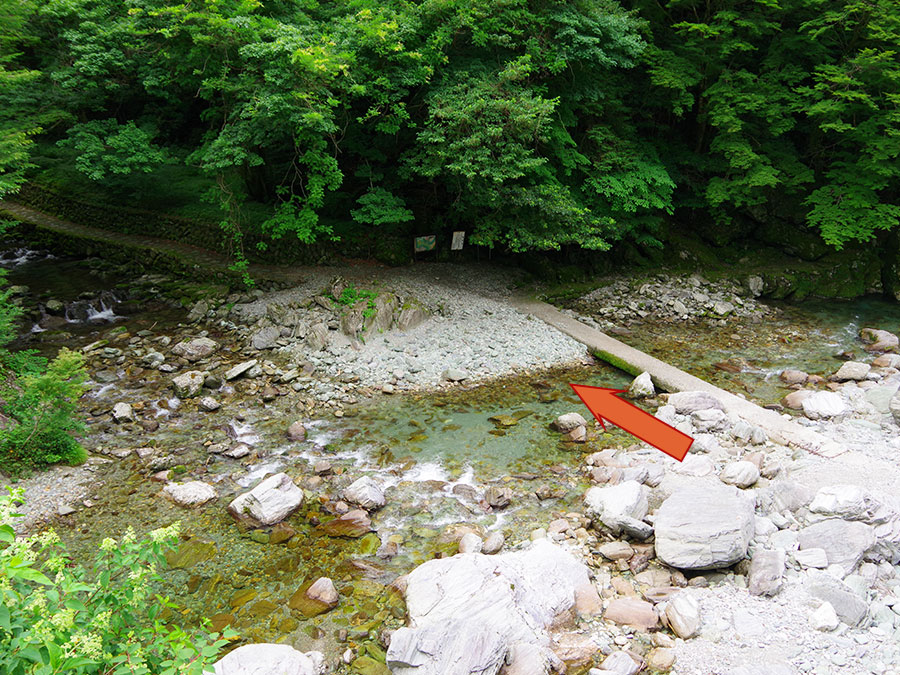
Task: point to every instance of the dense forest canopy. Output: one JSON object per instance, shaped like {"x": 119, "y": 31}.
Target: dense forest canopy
{"x": 530, "y": 123}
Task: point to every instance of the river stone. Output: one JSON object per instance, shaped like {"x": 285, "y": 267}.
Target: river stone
{"x": 569, "y": 421}
{"x": 270, "y": 659}
{"x": 190, "y": 553}
{"x": 366, "y": 493}
{"x": 742, "y": 474}
{"x": 209, "y": 404}
{"x": 791, "y": 376}
{"x": 317, "y": 337}
{"x": 265, "y": 338}
{"x": 722, "y": 308}
{"x": 880, "y": 397}
{"x": 850, "y": 502}
{"x": 844, "y": 542}
{"x": 631, "y": 612}
{"x": 470, "y": 543}
{"x": 848, "y": 605}
{"x": 704, "y": 527}
{"x": 852, "y": 370}
{"x": 766, "y": 572}
{"x": 683, "y": 615}
{"x": 354, "y": 523}
{"x": 493, "y": 543}
{"x": 454, "y": 375}
{"x": 239, "y": 369}
{"x": 323, "y": 590}
{"x": 196, "y": 349}
{"x": 193, "y": 493}
{"x": 270, "y": 502}
{"x": 296, "y": 432}
{"x": 612, "y": 505}
{"x": 122, "y": 412}
{"x": 617, "y": 663}
{"x": 189, "y": 384}
{"x": 812, "y": 557}
{"x": 687, "y": 402}
{"x": 824, "y": 619}
{"x": 410, "y": 317}
{"x": 795, "y": 399}
{"x": 823, "y": 404}
{"x": 642, "y": 386}
{"x": 466, "y": 612}
{"x": 879, "y": 340}
{"x": 887, "y": 361}
{"x": 894, "y": 407}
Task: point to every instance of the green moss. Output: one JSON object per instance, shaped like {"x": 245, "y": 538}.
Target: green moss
{"x": 616, "y": 362}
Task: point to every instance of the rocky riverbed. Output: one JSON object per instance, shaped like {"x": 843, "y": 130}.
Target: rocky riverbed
{"x": 353, "y": 500}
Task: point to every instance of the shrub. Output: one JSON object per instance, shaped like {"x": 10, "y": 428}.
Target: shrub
{"x": 59, "y": 617}
{"x": 38, "y": 421}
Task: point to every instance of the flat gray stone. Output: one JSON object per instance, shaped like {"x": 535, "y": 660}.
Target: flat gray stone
{"x": 844, "y": 542}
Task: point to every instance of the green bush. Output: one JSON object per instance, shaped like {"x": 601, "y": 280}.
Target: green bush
{"x": 38, "y": 421}
{"x": 59, "y": 617}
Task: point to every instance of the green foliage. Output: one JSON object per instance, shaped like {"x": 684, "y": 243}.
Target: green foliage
{"x": 60, "y": 617}
{"x": 530, "y": 124}
{"x": 351, "y": 295}
{"x": 38, "y": 422}
{"x": 106, "y": 147}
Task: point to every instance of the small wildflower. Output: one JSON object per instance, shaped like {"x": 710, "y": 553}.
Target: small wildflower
{"x": 108, "y": 545}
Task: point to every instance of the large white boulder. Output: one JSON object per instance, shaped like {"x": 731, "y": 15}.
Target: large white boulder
{"x": 823, "y": 405}
{"x": 471, "y": 613}
{"x": 704, "y": 527}
{"x": 270, "y": 659}
{"x": 268, "y": 503}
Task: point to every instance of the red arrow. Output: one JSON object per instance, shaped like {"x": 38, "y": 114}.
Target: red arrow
{"x": 604, "y": 403}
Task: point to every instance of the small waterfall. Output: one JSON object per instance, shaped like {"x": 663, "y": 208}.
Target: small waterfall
{"x": 95, "y": 310}
{"x": 20, "y": 256}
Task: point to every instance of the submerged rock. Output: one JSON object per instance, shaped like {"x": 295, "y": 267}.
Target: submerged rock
{"x": 472, "y": 614}
{"x": 704, "y": 527}
{"x": 256, "y": 659}
{"x": 270, "y": 502}
{"x": 354, "y": 523}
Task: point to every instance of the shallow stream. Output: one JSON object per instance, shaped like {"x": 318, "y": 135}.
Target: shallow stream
{"x": 435, "y": 454}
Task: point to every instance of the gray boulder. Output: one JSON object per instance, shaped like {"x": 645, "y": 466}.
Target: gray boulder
{"x": 844, "y": 542}
{"x": 265, "y": 338}
{"x": 852, "y": 370}
{"x": 851, "y": 608}
{"x": 475, "y": 614}
{"x": 270, "y": 502}
{"x": 704, "y": 527}
{"x": 196, "y": 349}
{"x": 270, "y": 659}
